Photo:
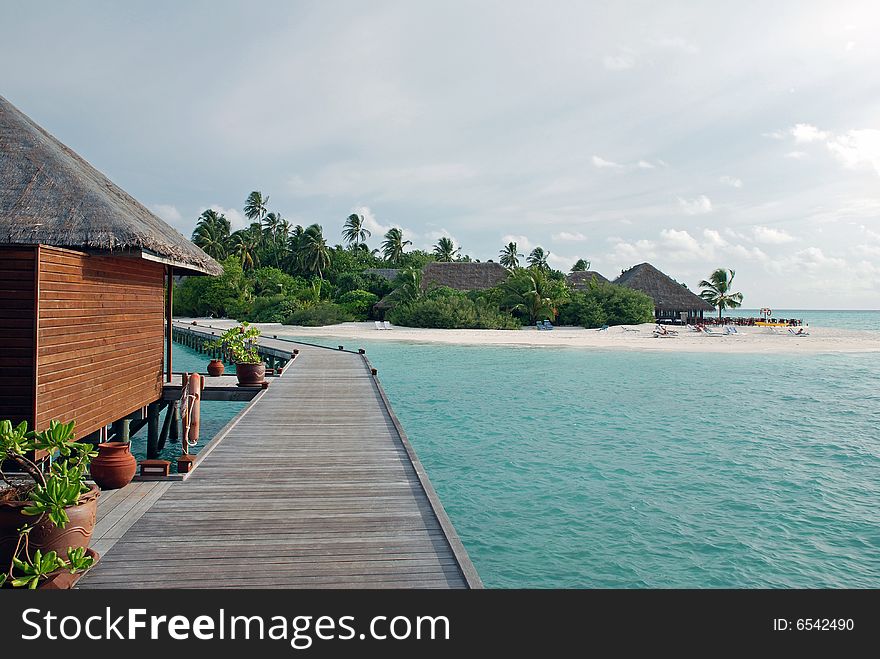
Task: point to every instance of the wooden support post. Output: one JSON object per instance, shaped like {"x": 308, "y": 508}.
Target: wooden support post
{"x": 168, "y": 306}
{"x": 122, "y": 430}
{"x": 174, "y": 433}
{"x": 166, "y": 427}
{"x": 153, "y": 431}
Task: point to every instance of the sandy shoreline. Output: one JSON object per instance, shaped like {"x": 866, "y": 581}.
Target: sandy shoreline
{"x": 748, "y": 340}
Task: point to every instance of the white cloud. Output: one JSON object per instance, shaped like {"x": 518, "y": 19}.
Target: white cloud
{"x": 378, "y": 229}
{"x": 626, "y": 59}
{"x": 813, "y": 258}
{"x": 697, "y": 206}
{"x": 776, "y": 134}
{"x": 850, "y": 46}
{"x": 644, "y": 164}
{"x": 857, "y": 147}
{"x": 352, "y": 178}
{"x": 624, "y": 254}
{"x": 713, "y": 238}
{"x": 806, "y": 133}
{"x": 796, "y": 155}
{"x": 770, "y": 236}
{"x": 567, "y": 236}
{"x": 680, "y": 241}
{"x": 601, "y": 163}
{"x": 167, "y": 212}
{"x": 523, "y": 244}
{"x": 236, "y": 218}
{"x": 676, "y": 43}
{"x": 732, "y": 181}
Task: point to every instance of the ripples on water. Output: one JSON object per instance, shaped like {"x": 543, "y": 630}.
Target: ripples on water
{"x": 577, "y": 468}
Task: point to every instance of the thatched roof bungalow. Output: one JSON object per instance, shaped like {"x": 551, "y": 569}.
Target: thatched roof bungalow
{"x": 465, "y": 276}
{"x": 671, "y": 299}
{"x": 580, "y": 281}
{"x": 85, "y": 275}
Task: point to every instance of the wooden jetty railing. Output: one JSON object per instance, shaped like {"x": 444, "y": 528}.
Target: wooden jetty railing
{"x": 202, "y": 340}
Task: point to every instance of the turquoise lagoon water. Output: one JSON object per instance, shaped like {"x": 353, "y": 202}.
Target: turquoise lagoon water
{"x": 594, "y": 468}
{"x": 213, "y": 416}
{"x": 850, "y": 320}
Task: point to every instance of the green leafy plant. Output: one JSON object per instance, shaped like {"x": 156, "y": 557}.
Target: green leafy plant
{"x": 39, "y": 567}
{"x": 47, "y": 497}
{"x": 241, "y": 343}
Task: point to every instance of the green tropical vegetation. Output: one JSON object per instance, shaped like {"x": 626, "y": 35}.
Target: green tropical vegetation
{"x": 718, "y": 291}
{"x": 48, "y": 495}
{"x": 277, "y": 272}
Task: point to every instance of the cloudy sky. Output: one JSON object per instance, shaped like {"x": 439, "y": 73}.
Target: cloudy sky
{"x": 689, "y": 134}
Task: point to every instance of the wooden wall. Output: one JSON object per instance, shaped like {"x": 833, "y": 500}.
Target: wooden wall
{"x": 100, "y": 337}
{"x": 17, "y": 294}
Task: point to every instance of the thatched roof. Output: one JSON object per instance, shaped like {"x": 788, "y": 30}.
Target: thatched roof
{"x": 51, "y": 196}
{"x": 668, "y": 294}
{"x": 580, "y": 281}
{"x": 464, "y": 276}
{"x": 389, "y": 273}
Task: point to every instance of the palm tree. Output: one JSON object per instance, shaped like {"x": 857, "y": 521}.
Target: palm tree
{"x": 255, "y": 206}
{"x": 314, "y": 251}
{"x": 245, "y": 244}
{"x": 354, "y": 231}
{"x": 212, "y": 234}
{"x": 293, "y": 260}
{"x": 509, "y": 256}
{"x": 527, "y": 291}
{"x": 580, "y": 266}
{"x": 392, "y": 246}
{"x": 407, "y": 286}
{"x": 717, "y": 291}
{"x": 445, "y": 250}
{"x": 538, "y": 259}
{"x": 271, "y": 228}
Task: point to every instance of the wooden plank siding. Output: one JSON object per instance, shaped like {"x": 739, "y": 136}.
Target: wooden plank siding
{"x": 99, "y": 339}
{"x": 17, "y": 333}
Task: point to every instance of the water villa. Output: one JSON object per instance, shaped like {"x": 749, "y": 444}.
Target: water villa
{"x": 672, "y": 301}
{"x": 86, "y": 273}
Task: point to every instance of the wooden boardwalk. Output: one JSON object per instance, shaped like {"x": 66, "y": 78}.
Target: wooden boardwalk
{"x": 316, "y": 485}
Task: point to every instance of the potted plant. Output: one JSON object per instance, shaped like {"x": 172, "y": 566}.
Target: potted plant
{"x": 241, "y": 345}
{"x": 47, "y": 519}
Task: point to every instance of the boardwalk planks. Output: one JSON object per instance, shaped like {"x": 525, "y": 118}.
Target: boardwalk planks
{"x": 315, "y": 486}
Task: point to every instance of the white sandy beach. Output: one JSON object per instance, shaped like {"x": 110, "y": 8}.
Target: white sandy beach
{"x": 748, "y": 339}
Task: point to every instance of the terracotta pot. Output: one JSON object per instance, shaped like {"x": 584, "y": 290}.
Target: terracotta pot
{"x": 114, "y": 467}
{"x": 47, "y": 536}
{"x": 216, "y": 368}
{"x": 251, "y": 374}
{"x": 63, "y": 580}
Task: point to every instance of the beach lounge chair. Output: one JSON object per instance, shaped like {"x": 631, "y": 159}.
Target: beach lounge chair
{"x": 800, "y": 332}
{"x": 631, "y": 329}
{"x": 711, "y": 332}
{"x": 693, "y": 329}
{"x": 387, "y": 324}
{"x": 379, "y": 325}
{"x": 604, "y": 328}
{"x": 539, "y": 325}
{"x": 548, "y": 325}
